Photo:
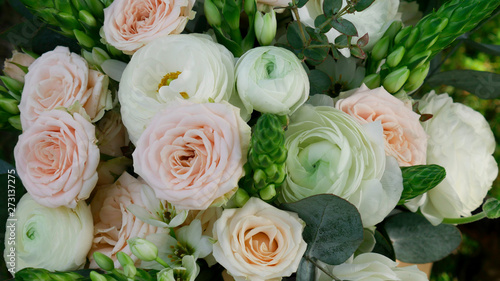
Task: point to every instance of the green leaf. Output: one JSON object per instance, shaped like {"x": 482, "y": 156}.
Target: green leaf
{"x": 294, "y": 36}
{"x": 319, "y": 21}
{"x": 331, "y": 7}
{"x": 492, "y": 208}
{"x": 363, "y": 41}
{"x": 485, "y": 85}
{"x": 420, "y": 179}
{"x": 320, "y": 82}
{"x": 316, "y": 56}
{"x": 333, "y": 227}
{"x": 493, "y": 50}
{"x": 302, "y": 3}
{"x": 357, "y": 52}
{"x": 342, "y": 41}
{"x": 344, "y": 26}
{"x": 363, "y": 4}
{"x": 232, "y": 46}
{"x": 306, "y": 271}
{"x": 383, "y": 246}
{"x": 416, "y": 240}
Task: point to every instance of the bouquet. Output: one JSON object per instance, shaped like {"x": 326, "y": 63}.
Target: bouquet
{"x": 241, "y": 139}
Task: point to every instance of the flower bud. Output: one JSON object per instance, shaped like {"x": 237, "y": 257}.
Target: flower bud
{"x": 83, "y": 39}
{"x": 9, "y": 105}
{"x": 420, "y": 59}
{"x": 241, "y": 197}
{"x": 396, "y": 56}
{"x": 129, "y": 270}
{"x": 87, "y": 18}
{"x": 63, "y": 6}
{"x": 265, "y": 27}
{"x": 393, "y": 29}
{"x": 124, "y": 259}
{"x": 96, "y": 8}
{"x": 17, "y": 66}
{"x": 250, "y": 7}
{"x": 143, "y": 249}
{"x": 372, "y": 81}
{"x": 402, "y": 34}
{"x": 212, "y": 13}
{"x": 412, "y": 37}
{"x": 103, "y": 261}
{"x": 95, "y": 276}
{"x": 268, "y": 192}
{"x": 417, "y": 77}
{"x": 67, "y": 20}
{"x": 15, "y": 121}
{"x": 396, "y": 79}
{"x": 166, "y": 274}
{"x": 13, "y": 85}
{"x": 380, "y": 49}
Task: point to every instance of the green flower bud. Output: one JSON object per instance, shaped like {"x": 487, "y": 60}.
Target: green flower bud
{"x": 412, "y": 37}
{"x": 417, "y": 77}
{"x": 15, "y": 121}
{"x": 372, "y": 81}
{"x": 79, "y": 5}
{"x": 63, "y": 6}
{"x": 268, "y": 193}
{"x": 9, "y": 105}
{"x": 393, "y": 29}
{"x": 103, "y": 261}
{"x": 212, "y": 13}
{"x": 129, "y": 270}
{"x": 396, "y": 79}
{"x": 67, "y": 32}
{"x": 402, "y": 34}
{"x": 166, "y": 274}
{"x": 265, "y": 27}
{"x": 380, "y": 49}
{"x": 231, "y": 13}
{"x": 396, "y": 56}
{"x": 83, "y": 39}
{"x": 124, "y": 259}
{"x": 250, "y": 7}
{"x": 67, "y": 20}
{"x": 241, "y": 197}
{"x": 95, "y": 276}
{"x": 87, "y": 18}
{"x": 99, "y": 55}
{"x": 96, "y": 8}
{"x": 143, "y": 249}
{"x": 419, "y": 59}
{"x": 13, "y": 85}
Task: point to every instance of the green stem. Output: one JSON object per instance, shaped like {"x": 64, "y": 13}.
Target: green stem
{"x": 334, "y": 17}
{"x": 470, "y": 219}
{"x": 322, "y": 268}
{"x": 297, "y": 17}
{"x": 162, "y": 262}
{"x": 236, "y": 35}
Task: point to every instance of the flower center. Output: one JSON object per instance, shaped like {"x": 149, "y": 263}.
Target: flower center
{"x": 168, "y": 78}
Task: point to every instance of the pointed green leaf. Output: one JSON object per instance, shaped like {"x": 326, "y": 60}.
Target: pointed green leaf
{"x": 344, "y": 26}
{"x": 420, "y": 179}
{"x": 485, "y": 85}
{"x": 333, "y": 227}
{"x": 383, "y": 246}
{"x": 331, "y": 7}
{"x": 302, "y": 3}
{"x": 342, "y": 41}
{"x": 416, "y": 240}
{"x": 294, "y": 35}
{"x": 363, "y": 4}
{"x": 492, "y": 208}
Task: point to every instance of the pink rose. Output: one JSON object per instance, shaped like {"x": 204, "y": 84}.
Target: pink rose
{"x": 131, "y": 24}
{"x": 57, "y": 158}
{"x": 12, "y": 70}
{"x": 405, "y": 138}
{"x": 193, "y": 154}
{"x": 59, "y": 79}
{"x": 113, "y": 223}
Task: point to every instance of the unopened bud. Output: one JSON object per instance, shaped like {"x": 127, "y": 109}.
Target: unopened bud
{"x": 268, "y": 192}
{"x": 96, "y": 8}
{"x": 402, "y": 34}
{"x": 265, "y": 27}
{"x": 95, "y": 276}
{"x": 124, "y": 259}
{"x": 67, "y": 20}
{"x": 143, "y": 249}
{"x": 103, "y": 261}
{"x": 9, "y": 105}
{"x": 83, "y": 39}
{"x": 417, "y": 77}
{"x": 250, "y": 7}
{"x": 380, "y": 49}
{"x": 212, "y": 13}
{"x": 241, "y": 197}
{"x": 394, "y": 58}
{"x": 372, "y": 81}
{"x": 129, "y": 270}
{"x": 396, "y": 79}
{"x": 393, "y": 29}
{"x": 412, "y": 37}
{"x": 87, "y": 18}
{"x": 13, "y": 85}
{"x": 15, "y": 121}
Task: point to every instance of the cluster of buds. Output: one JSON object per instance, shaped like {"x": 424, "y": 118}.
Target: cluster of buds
{"x": 400, "y": 61}
{"x": 265, "y": 168}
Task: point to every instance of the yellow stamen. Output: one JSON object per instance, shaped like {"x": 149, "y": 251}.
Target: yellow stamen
{"x": 168, "y": 78}
{"x": 184, "y": 95}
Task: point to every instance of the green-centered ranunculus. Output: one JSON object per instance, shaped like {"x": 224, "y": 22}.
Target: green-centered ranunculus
{"x": 329, "y": 152}
{"x": 271, "y": 80}
{"x": 50, "y": 238}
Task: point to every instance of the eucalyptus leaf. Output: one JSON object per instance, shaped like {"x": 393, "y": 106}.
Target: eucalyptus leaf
{"x": 416, "y": 240}
{"x": 331, "y": 7}
{"x": 344, "y": 26}
{"x": 333, "y": 227}
{"x": 383, "y": 246}
{"x": 363, "y": 4}
{"x": 420, "y": 179}
{"x": 295, "y": 37}
{"x": 319, "y": 21}
{"x": 302, "y": 3}
{"x": 492, "y": 208}
{"x": 306, "y": 271}
{"x": 485, "y": 85}
{"x": 320, "y": 82}
{"x": 493, "y": 50}
{"x": 342, "y": 41}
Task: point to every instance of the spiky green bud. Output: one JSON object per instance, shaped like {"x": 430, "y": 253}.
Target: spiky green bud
{"x": 394, "y": 58}
{"x": 15, "y": 121}
{"x": 380, "y": 49}
{"x": 212, "y": 13}
{"x": 96, "y": 276}
{"x": 103, "y": 261}
{"x": 87, "y": 18}
{"x": 83, "y": 39}
{"x": 396, "y": 79}
{"x": 372, "y": 81}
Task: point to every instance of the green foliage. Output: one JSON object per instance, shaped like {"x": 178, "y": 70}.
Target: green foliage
{"x": 416, "y": 240}
{"x": 420, "y": 179}
{"x": 492, "y": 208}
{"x": 485, "y": 85}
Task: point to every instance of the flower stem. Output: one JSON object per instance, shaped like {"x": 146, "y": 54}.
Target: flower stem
{"x": 297, "y": 18}
{"x": 162, "y": 262}
{"x": 470, "y": 219}
{"x": 322, "y": 268}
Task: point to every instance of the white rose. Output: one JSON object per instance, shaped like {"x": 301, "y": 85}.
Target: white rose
{"x": 330, "y": 152}
{"x": 461, "y": 141}
{"x": 372, "y": 266}
{"x": 374, "y": 20}
{"x": 171, "y": 68}
{"x": 258, "y": 241}
{"x": 271, "y": 80}
{"x": 50, "y": 238}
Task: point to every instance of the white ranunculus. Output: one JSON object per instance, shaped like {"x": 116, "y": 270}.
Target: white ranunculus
{"x": 374, "y": 20}
{"x": 372, "y": 266}
{"x": 271, "y": 80}
{"x": 171, "y": 68}
{"x": 330, "y": 152}
{"x": 258, "y": 241}
{"x": 50, "y": 238}
{"x": 461, "y": 141}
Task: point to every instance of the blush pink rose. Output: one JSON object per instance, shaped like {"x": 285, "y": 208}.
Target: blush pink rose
{"x": 193, "y": 154}
{"x": 12, "y": 70}
{"x": 405, "y": 138}
{"x": 57, "y": 158}
{"x": 113, "y": 223}
{"x": 131, "y": 24}
{"x": 59, "y": 79}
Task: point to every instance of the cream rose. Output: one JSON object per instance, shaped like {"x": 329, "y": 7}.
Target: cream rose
{"x": 50, "y": 238}
{"x": 404, "y": 137}
{"x": 57, "y": 158}
{"x": 193, "y": 154}
{"x": 111, "y": 134}
{"x": 113, "y": 223}
{"x": 330, "y": 152}
{"x": 59, "y": 79}
{"x": 374, "y": 20}
{"x": 131, "y": 24}
{"x": 259, "y": 242}
{"x": 271, "y": 80}
{"x": 177, "y": 67}
{"x": 372, "y": 266}
{"x": 12, "y": 70}
{"x": 462, "y": 142}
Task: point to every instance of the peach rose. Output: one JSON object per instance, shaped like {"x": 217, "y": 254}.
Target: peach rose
{"x": 131, "y": 24}
{"x": 113, "y": 223}
{"x": 193, "y": 154}
{"x": 57, "y": 158}
{"x": 59, "y": 79}
{"x": 12, "y": 70}
{"x": 405, "y": 138}
{"x": 259, "y": 242}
